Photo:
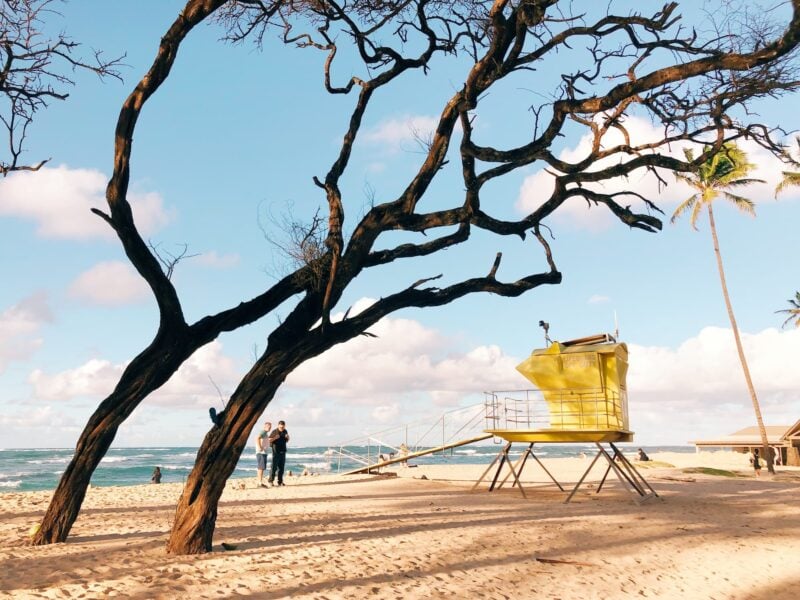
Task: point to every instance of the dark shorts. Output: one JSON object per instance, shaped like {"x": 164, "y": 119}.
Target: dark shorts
{"x": 262, "y": 461}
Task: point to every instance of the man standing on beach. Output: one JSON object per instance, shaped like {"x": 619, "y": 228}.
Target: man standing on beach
{"x": 278, "y": 440}
{"x": 261, "y": 452}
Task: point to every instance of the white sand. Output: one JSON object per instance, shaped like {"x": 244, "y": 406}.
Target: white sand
{"x": 408, "y": 537}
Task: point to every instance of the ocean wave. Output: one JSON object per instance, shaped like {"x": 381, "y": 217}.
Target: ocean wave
{"x": 48, "y": 461}
{"x": 318, "y": 455}
{"x": 176, "y": 468}
{"x": 317, "y": 466}
{"x": 10, "y": 484}
{"x": 17, "y": 474}
{"x": 113, "y": 459}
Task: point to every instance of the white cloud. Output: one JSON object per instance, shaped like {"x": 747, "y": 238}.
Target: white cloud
{"x": 698, "y": 390}
{"x": 59, "y": 201}
{"x": 189, "y": 387}
{"x": 42, "y": 422}
{"x": 111, "y": 283}
{"x": 96, "y": 379}
{"x": 19, "y": 326}
{"x": 192, "y": 385}
{"x": 406, "y": 358}
{"x": 577, "y": 213}
{"x": 709, "y": 364}
{"x": 598, "y": 299}
{"x": 400, "y": 132}
{"x": 215, "y": 260}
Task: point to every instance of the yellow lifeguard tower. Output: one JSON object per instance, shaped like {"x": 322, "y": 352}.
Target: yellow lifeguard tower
{"x": 581, "y": 397}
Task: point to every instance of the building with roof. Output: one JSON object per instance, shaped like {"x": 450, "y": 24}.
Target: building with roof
{"x": 785, "y": 439}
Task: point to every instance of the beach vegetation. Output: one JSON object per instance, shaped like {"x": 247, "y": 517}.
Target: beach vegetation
{"x": 712, "y": 471}
{"x": 793, "y": 311}
{"x": 621, "y": 65}
{"x": 790, "y": 179}
{"x": 724, "y": 170}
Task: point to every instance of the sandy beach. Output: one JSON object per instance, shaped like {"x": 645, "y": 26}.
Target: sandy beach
{"x": 422, "y": 533}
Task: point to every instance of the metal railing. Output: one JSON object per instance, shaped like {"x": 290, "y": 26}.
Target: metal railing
{"x": 588, "y": 408}
{"x": 413, "y": 437}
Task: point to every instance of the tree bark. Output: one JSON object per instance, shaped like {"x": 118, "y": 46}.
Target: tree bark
{"x": 766, "y": 454}
{"x": 146, "y": 373}
{"x": 196, "y": 513}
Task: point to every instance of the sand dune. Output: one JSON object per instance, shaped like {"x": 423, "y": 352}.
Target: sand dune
{"x": 414, "y": 537}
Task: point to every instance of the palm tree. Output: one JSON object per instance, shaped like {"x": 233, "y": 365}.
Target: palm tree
{"x": 793, "y": 312}
{"x": 790, "y": 179}
{"x": 724, "y": 170}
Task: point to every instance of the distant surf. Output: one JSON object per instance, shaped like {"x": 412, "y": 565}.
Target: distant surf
{"x": 40, "y": 468}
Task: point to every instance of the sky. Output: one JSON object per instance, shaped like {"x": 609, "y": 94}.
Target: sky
{"x": 228, "y": 147}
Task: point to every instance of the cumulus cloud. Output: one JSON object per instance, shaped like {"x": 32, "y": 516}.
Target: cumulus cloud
{"x": 577, "y": 213}
{"x": 709, "y": 364}
{"x": 190, "y": 387}
{"x": 59, "y": 200}
{"x": 405, "y": 358}
{"x": 95, "y": 379}
{"x": 111, "y": 283}
{"x": 215, "y": 260}
{"x": 19, "y": 328}
{"x": 399, "y": 132}
{"x": 697, "y": 390}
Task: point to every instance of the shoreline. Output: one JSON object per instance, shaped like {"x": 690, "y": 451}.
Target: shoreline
{"x": 407, "y": 535}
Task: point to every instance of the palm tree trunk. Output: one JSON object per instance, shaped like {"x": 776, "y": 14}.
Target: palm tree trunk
{"x": 766, "y": 454}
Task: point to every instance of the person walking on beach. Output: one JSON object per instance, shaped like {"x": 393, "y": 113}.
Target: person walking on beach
{"x": 261, "y": 452}
{"x": 756, "y": 463}
{"x": 278, "y": 440}
{"x": 156, "y": 478}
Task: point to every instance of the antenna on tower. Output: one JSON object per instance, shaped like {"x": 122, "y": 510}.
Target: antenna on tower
{"x": 616, "y": 327}
{"x": 546, "y": 327}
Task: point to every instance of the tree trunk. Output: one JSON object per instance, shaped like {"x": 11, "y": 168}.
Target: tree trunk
{"x": 196, "y": 513}
{"x": 766, "y": 454}
{"x": 146, "y": 373}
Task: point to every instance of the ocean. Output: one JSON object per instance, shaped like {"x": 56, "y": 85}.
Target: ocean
{"x": 41, "y": 468}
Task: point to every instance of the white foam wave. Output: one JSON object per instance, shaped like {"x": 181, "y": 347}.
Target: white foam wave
{"x": 10, "y": 484}
{"x": 113, "y": 459}
{"x": 176, "y": 468}
{"x": 317, "y": 466}
{"x": 48, "y": 461}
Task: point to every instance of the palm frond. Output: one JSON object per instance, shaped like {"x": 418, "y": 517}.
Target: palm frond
{"x": 790, "y": 179}
{"x": 743, "y": 182}
{"x": 683, "y": 207}
{"x": 696, "y": 213}
{"x": 743, "y": 204}
{"x": 794, "y": 312}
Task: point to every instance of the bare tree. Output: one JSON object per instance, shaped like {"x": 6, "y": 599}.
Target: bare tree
{"x": 634, "y": 64}
{"x": 35, "y": 70}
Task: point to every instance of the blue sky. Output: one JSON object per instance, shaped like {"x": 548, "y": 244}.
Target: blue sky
{"x": 236, "y": 134}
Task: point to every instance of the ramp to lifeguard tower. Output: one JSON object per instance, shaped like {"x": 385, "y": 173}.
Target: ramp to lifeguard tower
{"x": 452, "y": 429}
{"x": 405, "y": 457}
